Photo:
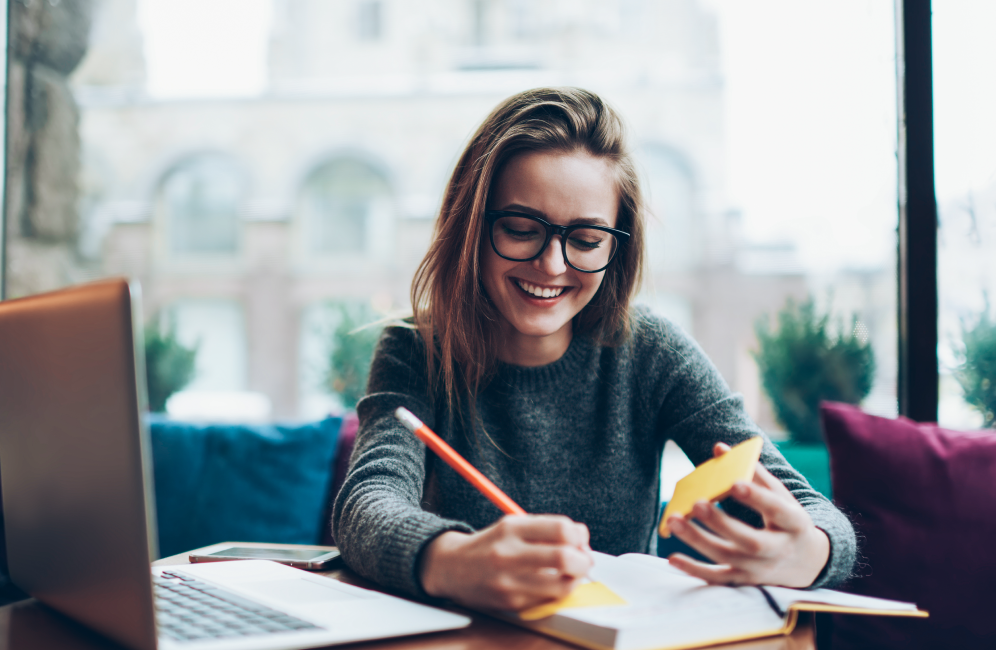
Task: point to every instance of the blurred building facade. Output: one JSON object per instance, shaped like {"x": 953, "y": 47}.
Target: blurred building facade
{"x": 241, "y": 217}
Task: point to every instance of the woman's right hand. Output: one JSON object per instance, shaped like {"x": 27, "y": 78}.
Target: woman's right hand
{"x": 515, "y": 563}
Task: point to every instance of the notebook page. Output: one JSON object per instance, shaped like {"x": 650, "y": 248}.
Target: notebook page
{"x": 667, "y": 607}
{"x": 785, "y": 597}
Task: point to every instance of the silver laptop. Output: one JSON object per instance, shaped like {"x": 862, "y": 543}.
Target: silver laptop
{"x": 80, "y": 517}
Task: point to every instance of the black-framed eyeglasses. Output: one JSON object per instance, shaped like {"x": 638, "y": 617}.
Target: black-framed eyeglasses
{"x": 520, "y": 237}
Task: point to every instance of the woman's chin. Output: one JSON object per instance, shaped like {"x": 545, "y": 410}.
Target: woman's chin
{"x": 541, "y": 329}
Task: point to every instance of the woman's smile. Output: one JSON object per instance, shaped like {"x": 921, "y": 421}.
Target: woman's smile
{"x": 538, "y": 291}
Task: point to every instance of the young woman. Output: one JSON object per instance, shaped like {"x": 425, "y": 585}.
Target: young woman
{"x": 525, "y": 355}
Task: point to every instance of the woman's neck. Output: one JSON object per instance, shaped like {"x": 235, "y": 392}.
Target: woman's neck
{"x": 532, "y": 351}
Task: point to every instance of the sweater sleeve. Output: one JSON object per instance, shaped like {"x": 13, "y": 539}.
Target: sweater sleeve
{"x": 697, "y": 410}
{"x": 377, "y": 518}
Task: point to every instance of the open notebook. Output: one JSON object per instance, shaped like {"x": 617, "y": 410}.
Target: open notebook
{"x": 668, "y": 609}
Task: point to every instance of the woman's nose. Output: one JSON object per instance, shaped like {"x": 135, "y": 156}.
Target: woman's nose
{"x": 551, "y": 261}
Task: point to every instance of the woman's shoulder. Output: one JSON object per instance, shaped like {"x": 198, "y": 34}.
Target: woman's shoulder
{"x": 644, "y": 321}
{"x": 650, "y": 329}
{"x": 400, "y": 330}
{"x": 399, "y": 362}
{"x": 400, "y": 337}
{"x": 655, "y": 339}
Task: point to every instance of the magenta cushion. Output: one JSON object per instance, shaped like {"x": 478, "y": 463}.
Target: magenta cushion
{"x": 347, "y": 439}
{"x": 923, "y": 502}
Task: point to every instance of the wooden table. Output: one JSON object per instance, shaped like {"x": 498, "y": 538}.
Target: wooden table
{"x": 29, "y": 625}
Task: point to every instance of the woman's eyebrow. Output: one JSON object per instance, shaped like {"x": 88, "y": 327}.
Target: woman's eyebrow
{"x": 590, "y": 221}
{"x": 515, "y": 207}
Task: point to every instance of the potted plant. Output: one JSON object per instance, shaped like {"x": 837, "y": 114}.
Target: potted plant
{"x": 976, "y": 370}
{"x": 169, "y": 365}
{"x": 353, "y": 342}
{"x": 803, "y": 362}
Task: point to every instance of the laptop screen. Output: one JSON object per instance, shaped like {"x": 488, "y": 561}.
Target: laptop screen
{"x": 74, "y": 460}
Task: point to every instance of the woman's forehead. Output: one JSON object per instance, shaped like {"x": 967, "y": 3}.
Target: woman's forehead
{"x": 561, "y": 187}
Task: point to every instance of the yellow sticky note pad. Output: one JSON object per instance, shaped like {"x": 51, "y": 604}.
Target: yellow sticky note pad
{"x": 713, "y": 479}
{"x": 589, "y": 594}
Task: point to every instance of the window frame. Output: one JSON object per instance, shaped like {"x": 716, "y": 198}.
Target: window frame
{"x": 5, "y": 99}
{"x": 917, "y": 302}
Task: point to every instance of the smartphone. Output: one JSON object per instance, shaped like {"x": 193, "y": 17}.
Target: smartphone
{"x": 313, "y": 560}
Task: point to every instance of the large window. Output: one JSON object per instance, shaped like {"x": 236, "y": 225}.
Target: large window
{"x": 279, "y": 155}
{"x": 965, "y": 152}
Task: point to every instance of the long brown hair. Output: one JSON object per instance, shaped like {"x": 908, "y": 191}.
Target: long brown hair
{"x": 453, "y": 315}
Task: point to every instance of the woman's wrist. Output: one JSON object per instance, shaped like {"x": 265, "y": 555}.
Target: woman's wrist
{"x": 433, "y": 562}
{"x": 818, "y": 547}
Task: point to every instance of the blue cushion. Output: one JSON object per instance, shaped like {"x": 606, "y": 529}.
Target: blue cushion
{"x": 248, "y": 483}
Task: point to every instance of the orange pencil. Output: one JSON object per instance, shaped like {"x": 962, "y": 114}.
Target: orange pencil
{"x": 458, "y": 462}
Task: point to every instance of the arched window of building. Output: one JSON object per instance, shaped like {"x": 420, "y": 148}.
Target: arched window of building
{"x": 673, "y": 232}
{"x": 673, "y": 235}
{"x": 200, "y": 199}
{"x": 346, "y": 207}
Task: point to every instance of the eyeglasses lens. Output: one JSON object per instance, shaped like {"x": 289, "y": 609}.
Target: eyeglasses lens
{"x": 519, "y": 238}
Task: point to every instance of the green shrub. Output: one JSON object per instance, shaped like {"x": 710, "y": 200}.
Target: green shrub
{"x": 353, "y": 342}
{"x": 976, "y": 371}
{"x": 802, "y": 364}
{"x": 169, "y": 365}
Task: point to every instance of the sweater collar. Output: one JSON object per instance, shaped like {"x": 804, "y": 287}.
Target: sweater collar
{"x": 533, "y": 377}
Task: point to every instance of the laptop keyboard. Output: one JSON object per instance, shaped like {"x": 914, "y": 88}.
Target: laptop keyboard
{"x": 190, "y": 610}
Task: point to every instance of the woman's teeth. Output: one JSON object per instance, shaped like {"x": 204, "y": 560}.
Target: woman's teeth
{"x": 540, "y": 292}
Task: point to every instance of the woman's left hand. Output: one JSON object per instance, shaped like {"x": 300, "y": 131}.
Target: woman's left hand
{"x": 789, "y": 550}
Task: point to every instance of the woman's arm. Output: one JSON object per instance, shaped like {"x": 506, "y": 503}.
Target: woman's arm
{"x": 377, "y": 518}
{"x": 384, "y": 533}
{"x": 697, "y": 410}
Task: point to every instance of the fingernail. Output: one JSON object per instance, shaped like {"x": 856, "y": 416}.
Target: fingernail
{"x": 739, "y": 489}
{"x": 676, "y": 524}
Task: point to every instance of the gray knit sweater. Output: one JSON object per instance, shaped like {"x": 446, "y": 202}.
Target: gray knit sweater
{"x": 582, "y": 436}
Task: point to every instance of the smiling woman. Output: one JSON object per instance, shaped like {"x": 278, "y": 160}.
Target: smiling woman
{"x": 525, "y": 355}
{"x": 528, "y": 157}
